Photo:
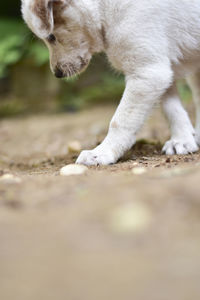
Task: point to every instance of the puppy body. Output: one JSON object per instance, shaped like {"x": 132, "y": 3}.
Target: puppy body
{"x": 152, "y": 42}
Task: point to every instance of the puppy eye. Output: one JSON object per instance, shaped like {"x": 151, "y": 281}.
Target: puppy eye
{"x": 51, "y": 38}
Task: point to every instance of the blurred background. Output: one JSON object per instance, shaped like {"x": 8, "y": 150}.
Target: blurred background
{"x": 26, "y": 82}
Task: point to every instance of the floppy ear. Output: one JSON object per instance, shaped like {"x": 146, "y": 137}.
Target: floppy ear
{"x": 43, "y": 9}
{"x": 38, "y": 15}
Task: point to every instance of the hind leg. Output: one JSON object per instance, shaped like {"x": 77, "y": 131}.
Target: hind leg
{"x": 182, "y": 133}
{"x": 194, "y": 82}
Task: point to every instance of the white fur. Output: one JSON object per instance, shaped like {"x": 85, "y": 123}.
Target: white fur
{"x": 153, "y": 43}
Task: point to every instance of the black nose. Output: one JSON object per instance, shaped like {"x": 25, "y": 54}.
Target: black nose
{"x": 59, "y": 73}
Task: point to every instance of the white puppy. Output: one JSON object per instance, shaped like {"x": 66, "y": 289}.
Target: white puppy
{"x": 153, "y": 42}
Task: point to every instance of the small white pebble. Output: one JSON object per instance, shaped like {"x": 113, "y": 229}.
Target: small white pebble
{"x": 73, "y": 170}
{"x": 10, "y": 178}
{"x": 74, "y": 146}
{"x": 139, "y": 171}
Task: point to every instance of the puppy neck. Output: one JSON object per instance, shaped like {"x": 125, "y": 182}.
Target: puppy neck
{"x": 94, "y": 23}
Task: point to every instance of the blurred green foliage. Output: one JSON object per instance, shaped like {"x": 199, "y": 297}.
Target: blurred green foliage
{"x": 17, "y": 43}
{"x": 12, "y": 44}
{"x": 184, "y": 91}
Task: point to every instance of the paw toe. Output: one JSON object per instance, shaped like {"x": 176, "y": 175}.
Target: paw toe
{"x": 180, "y": 147}
{"x": 95, "y": 158}
{"x": 87, "y": 158}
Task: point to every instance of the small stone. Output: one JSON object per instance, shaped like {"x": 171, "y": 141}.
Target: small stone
{"x": 157, "y": 166}
{"x": 10, "y": 178}
{"x": 139, "y": 171}
{"x": 73, "y": 169}
{"x": 146, "y": 158}
{"x": 74, "y": 147}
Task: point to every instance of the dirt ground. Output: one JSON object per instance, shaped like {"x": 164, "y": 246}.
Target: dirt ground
{"x": 107, "y": 234}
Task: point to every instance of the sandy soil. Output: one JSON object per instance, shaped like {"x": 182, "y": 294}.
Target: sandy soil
{"x": 108, "y": 234}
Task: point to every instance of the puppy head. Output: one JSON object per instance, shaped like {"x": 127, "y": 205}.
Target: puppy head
{"x": 61, "y": 24}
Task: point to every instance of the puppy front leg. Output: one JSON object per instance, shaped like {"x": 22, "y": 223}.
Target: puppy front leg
{"x": 143, "y": 90}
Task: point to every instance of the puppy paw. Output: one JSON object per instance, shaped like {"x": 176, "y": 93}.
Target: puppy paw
{"x": 95, "y": 158}
{"x": 180, "y": 146}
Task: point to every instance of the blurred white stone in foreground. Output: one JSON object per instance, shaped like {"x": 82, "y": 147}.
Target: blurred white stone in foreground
{"x": 73, "y": 170}
{"x": 130, "y": 218}
{"x": 139, "y": 171}
{"x": 9, "y": 178}
{"x": 74, "y": 146}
